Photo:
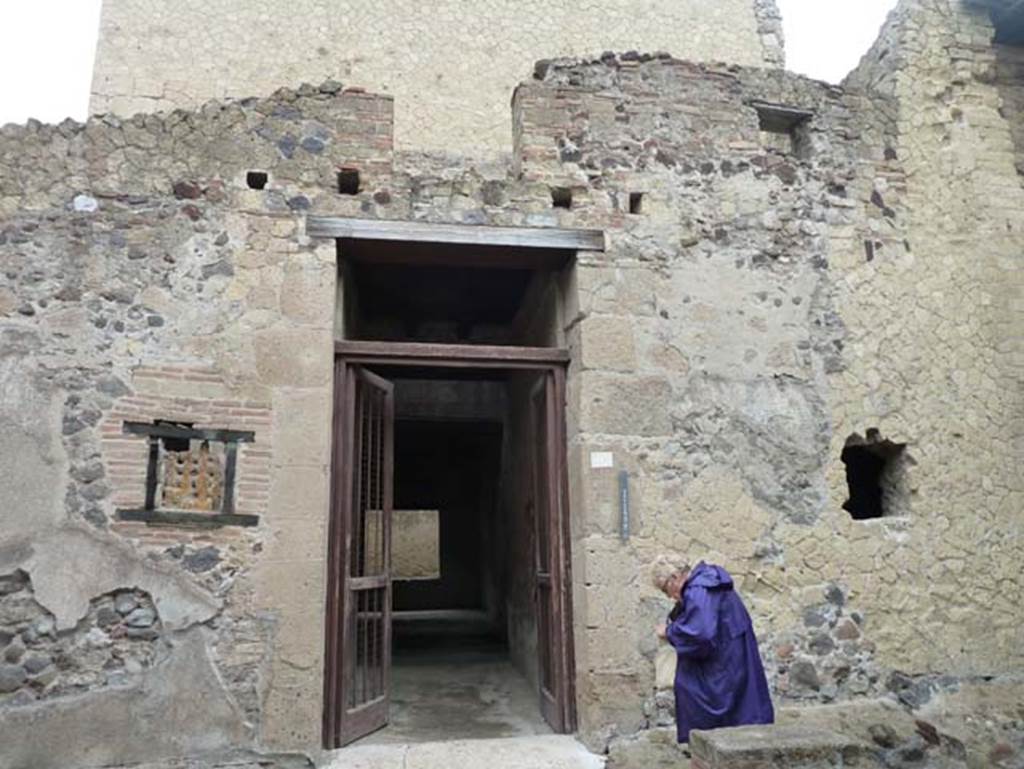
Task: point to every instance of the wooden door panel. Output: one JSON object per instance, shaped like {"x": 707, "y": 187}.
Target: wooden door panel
{"x": 551, "y": 552}
{"x": 357, "y": 669}
{"x": 359, "y": 606}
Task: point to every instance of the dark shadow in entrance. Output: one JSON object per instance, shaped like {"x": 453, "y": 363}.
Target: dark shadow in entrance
{"x": 453, "y": 669}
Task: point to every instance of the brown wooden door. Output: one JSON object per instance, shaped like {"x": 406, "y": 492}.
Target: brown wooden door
{"x": 551, "y": 555}
{"x": 359, "y": 603}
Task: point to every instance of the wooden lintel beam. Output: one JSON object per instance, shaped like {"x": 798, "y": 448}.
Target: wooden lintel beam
{"x": 454, "y": 355}
{"x": 165, "y": 430}
{"x": 465, "y": 234}
{"x": 782, "y": 111}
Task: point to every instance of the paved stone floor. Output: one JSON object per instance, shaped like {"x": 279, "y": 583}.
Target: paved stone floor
{"x": 457, "y": 702}
{"x": 449, "y": 686}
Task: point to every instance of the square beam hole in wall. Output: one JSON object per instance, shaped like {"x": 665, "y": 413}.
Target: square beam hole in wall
{"x": 348, "y": 181}
{"x": 636, "y": 202}
{"x": 876, "y": 476}
{"x": 256, "y": 180}
{"x": 783, "y": 129}
{"x": 561, "y": 197}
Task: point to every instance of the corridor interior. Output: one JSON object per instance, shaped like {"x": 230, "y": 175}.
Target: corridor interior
{"x": 463, "y": 628}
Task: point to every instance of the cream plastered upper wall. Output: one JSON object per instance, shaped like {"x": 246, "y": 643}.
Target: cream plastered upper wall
{"x": 450, "y": 64}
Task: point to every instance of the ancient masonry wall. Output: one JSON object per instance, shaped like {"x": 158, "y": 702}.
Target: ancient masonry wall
{"x": 1010, "y": 80}
{"x": 934, "y": 326}
{"x": 915, "y": 340}
{"x": 451, "y": 66}
{"x": 765, "y": 295}
{"x": 709, "y": 337}
{"x": 145, "y": 279}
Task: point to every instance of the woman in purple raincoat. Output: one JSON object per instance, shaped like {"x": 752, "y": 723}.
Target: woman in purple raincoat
{"x": 720, "y": 680}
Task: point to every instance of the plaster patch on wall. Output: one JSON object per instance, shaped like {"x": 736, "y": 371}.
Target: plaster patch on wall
{"x": 162, "y": 723}
{"x": 71, "y": 565}
{"x": 32, "y": 461}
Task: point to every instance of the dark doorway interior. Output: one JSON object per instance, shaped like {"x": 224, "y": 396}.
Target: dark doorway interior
{"x": 451, "y": 467}
{"x": 463, "y": 639}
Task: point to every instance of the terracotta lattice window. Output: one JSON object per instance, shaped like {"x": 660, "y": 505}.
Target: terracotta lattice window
{"x": 190, "y": 475}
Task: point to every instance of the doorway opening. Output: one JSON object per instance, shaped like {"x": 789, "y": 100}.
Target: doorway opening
{"x": 449, "y": 611}
{"x": 464, "y": 637}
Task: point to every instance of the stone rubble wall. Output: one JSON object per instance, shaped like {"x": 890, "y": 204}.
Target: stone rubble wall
{"x": 845, "y": 609}
{"x": 706, "y": 337}
{"x": 115, "y": 642}
{"x": 450, "y": 65}
{"x": 763, "y": 297}
{"x": 147, "y": 155}
{"x": 769, "y": 27}
{"x": 144, "y": 279}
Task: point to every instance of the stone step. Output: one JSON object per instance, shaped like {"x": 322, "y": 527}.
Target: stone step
{"x": 776, "y": 747}
{"x": 536, "y": 752}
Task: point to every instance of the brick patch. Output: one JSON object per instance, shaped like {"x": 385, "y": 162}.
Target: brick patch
{"x": 126, "y": 456}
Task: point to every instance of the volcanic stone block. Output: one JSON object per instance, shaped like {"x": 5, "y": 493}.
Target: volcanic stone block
{"x": 764, "y": 747}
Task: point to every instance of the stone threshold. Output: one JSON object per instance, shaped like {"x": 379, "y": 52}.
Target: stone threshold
{"x": 536, "y": 752}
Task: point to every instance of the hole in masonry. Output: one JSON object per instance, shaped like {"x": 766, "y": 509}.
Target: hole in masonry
{"x": 561, "y": 197}
{"x": 256, "y": 180}
{"x": 636, "y": 202}
{"x": 175, "y": 444}
{"x": 875, "y": 475}
{"x": 783, "y": 128}
{"x": 348, "y": 181}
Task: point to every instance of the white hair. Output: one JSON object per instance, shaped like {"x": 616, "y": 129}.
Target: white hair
{"x": 665, "y": 567}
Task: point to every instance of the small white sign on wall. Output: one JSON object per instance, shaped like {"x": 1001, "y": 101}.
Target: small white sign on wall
{"x": 601, "y": 459}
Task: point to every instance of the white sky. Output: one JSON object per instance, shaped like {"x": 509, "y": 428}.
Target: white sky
{"x": 47, "y": 48}
{"x": 826, "y": 38}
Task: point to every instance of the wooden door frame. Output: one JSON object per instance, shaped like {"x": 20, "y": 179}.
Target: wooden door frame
{"x": 542, "y": 360}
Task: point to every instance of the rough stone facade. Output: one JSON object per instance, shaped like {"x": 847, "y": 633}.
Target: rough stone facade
{"x": 451, "y": 66}
{"x": 112, "y": 643}
{"x": 779, "y": 285}
{"x": 1009, "y": 77}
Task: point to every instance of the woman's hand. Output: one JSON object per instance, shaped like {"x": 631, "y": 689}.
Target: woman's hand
{"x": 660, "y": 630}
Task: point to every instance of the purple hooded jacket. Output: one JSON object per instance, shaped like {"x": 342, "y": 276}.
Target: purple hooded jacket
{"x": 720, "y": 680}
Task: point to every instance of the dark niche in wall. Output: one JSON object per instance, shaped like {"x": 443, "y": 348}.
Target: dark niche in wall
{"x": 561, "y": 197}
{"x": 348, "y": 181}
{"x": 875, "y": 476}
{"x": 256, "y": 180}
{"x": 784, "y": 129}
{"x": 1008, "y": 20}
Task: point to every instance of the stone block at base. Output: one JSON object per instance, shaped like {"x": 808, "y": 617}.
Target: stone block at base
{"x": 774, "y": 747}
{"x": 650, "y": 749}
